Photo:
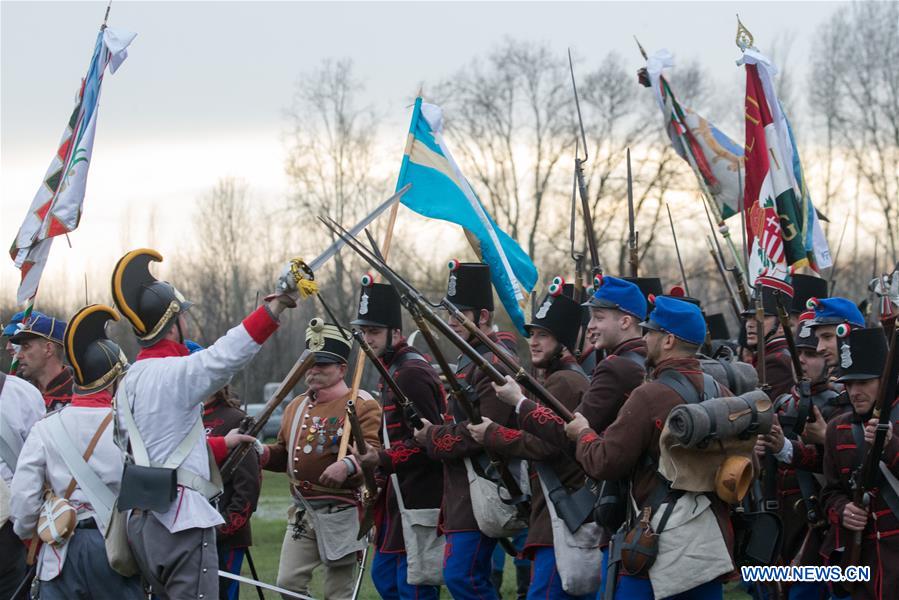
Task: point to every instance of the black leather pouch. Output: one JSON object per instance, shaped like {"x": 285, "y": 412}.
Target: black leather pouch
{"x": 147, "y": 488}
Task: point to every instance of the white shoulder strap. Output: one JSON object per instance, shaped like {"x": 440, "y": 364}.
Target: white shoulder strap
{"x": 291, "y": 446}
{"x": 187, "y": 444}
{"x": 138, "y": 449}
{"x": 99, "y": 495}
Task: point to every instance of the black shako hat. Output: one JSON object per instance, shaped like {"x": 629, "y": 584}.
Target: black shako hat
{"x": 468, "y": 286}
{"x": 327, "y": 342}
{"x": 379, "y": 305}
{"x": 804, "y": 288}
{"x": 863, "y": 353}
{"x": 717, "y": 325}
{"x": 150, "y": 305}
{"x": 768, "y": 287}
{"x": 96, "y": 360}
{"x": 559, "y": 315}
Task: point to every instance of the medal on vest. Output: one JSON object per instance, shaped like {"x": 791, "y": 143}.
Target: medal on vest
{"x": 307, "y": 448}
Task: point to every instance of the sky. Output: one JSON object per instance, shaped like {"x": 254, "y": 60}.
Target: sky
{"x": 204, "y": 91}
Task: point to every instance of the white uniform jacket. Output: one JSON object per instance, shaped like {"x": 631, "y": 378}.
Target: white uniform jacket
{"x": 166, "y": 388}
{"x": 40, "y": 462}
{"x": 21, "y": 406}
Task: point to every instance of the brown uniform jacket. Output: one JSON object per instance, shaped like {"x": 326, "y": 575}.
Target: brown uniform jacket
{"x": 451, "y": 442}
{"x": 316, "y": 450}
{"x": 612, "y": 381}
{"x": 568, "y": 386}
{"x": 629, "y": 447}
{"x": 880, "y": 539}
{"x": 238, "y": 500}
{"x": 809, "y": 458}
{"x": 420, "y": 477}
{"x": 778, "y": 367}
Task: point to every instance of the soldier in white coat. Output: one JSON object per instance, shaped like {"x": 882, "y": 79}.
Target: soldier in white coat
{"x": 54, "y": 456}
{"x": 21, "y": 406}
{"x": 159, "y": 407}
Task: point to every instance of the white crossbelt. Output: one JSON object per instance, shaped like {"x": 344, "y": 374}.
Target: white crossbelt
{"x": 261, "y": 584}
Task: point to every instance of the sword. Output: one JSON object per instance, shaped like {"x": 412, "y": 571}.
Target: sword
{"x": 358, "y": 586}
{"x": 297, "y": 269}
{"x": 268, "y": 586}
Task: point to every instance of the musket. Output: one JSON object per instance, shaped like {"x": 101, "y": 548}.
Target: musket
{"x": 525, "y": 379}
{"x": 578, "y": 258}
{"x": 633, "y": 251}
{"x": 408, "y": 409}
{"x": 867, "y": 475}
{"x": 680, "y": 263}
{"x": 253, "y": 426}
{"x": 802, "y": 382}
{"x": 590, "y": 235}
{"x": 760, "y": 341}
{"x": 735, "y": 271}
{"x": 370, "y": 488}
{"x": 423, "y": 314}
{"x": 735, "y": 303}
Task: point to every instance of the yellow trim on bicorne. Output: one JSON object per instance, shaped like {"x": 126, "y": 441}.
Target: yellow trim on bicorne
{"x": 73, "y": 326}
{"x": 117, "y": 285}
{"x": 174, "y": 307}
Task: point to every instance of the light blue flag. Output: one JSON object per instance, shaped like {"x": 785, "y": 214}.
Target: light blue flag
{"x": 440, "y": 191}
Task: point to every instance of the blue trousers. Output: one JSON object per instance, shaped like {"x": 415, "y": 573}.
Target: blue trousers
{"x": 230, "y": 561}
{"x": 466, "y": 566}
{"x": 545, "y": 582}
{"x": 631, "y": 588}
{"x": 808, "y": 590}
{"x": 388, "y": 573}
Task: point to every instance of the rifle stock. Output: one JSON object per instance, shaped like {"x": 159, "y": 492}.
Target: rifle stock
{"x": 370, "y": 488}
{"x": 866, "y": 476}
{"x": 253, "y": 426}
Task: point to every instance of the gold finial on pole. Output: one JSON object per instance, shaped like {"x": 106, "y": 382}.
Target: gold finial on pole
{"x": 642, "y": 50}
{"x": 744, "y": 38}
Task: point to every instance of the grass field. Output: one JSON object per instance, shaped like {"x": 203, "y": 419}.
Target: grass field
{"x": 270, "y": 522}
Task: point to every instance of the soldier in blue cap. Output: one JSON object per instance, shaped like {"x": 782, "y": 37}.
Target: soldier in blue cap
{"x": 832, "y": 314}
{"x": 41, "y": 359}
{"x": 616, "y": 309}
{"x": 629, "y": 449}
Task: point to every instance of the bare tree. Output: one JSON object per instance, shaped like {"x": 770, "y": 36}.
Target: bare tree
{"x": 331, "y": 164}
{"x": 509, "y": 122}
{"x": 862, "y": 110}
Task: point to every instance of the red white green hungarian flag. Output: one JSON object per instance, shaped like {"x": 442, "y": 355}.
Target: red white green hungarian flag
{"x": 56, "y": 208}
{"x": 781, "y": 222}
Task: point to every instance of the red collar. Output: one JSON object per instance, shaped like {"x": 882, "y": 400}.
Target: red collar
{"x": 101, "y": 399}
{"x": 163, "y": 349}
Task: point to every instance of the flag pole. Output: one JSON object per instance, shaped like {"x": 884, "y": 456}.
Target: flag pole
{"x": 707, "y": 195}
{"x": 359, "y": 367}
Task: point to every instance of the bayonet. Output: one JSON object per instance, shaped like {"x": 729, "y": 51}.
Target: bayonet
{"x": 735, "y": 303}
{"x": 590, "y": 235}
{"x": 634, "y": 256}
{"x": 680, "y": 263}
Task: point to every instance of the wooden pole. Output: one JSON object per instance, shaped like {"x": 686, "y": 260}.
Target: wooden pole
{"x": 359, "y": 367}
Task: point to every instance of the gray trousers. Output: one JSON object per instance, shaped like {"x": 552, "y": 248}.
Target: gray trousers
{"x": 176, "y": 565}
{"x": 86, "y": 573}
